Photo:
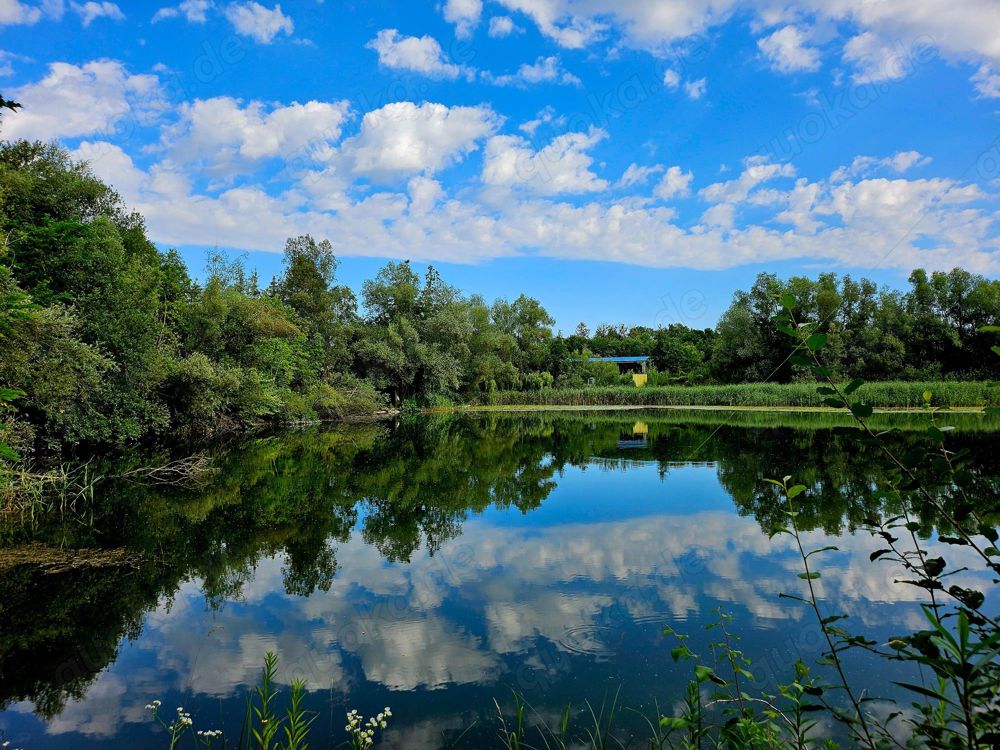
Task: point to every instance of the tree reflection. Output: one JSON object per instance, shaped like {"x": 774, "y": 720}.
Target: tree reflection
{"x": 402, "y": 486}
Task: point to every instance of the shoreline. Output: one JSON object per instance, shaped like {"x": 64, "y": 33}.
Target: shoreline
{"x": 693, "y": 407}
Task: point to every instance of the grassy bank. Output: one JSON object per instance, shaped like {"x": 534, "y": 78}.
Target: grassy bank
{"x": 878, "y": 395}
{"x": 799, "y": 418}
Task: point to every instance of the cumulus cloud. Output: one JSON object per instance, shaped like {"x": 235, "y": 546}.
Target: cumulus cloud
{"x": 258, "y": 22}
{"x": 543, "y": 70}
{"x": 643, "y": 24}
{"x": 417, "y": 54}
{"x": 756, "y": 170}
{"x": 14, "y": 12}
{"x": 403, "y": 138}
{"x": 464, "y": 14}
{"x": 72, "y": 101}
{"x": 501, "y": 26}
{"x": 987, "y": 81}
{"x": 193, "y": 11}
{"x": 91, "y": 11}
{"x": 549, "y": 197}
{"x": 562, "y": 166}
{"x": 676, "y": 183}
{"x": 889, "y": 33}
{"x": 555, "y": 20}
{"x": 696, "y": 89}
{"x": 787, "y": 51}
{"x": 224, "y": 135}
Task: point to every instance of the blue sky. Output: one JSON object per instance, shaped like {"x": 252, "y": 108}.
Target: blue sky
{"x": 626, "y": 160}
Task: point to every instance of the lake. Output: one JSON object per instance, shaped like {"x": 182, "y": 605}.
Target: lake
{"x": 435, "y": 564}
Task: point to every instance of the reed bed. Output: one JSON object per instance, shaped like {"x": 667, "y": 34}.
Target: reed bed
{"x": 885, "y": 395}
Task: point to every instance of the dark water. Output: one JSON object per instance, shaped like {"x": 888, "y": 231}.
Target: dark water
{"x": 436, "y": 564}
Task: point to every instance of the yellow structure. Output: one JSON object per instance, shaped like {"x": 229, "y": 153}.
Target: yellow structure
{"x": 636, "y": 366}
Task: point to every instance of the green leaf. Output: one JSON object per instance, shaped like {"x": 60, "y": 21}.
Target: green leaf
{"x": 853, "y": 386}
{"x": 816, "y": 341}
{"x": 924, "y": 691}
{"x": 861, "y": 411}
{"x": 788, "y": 301}
{"x": 809, "y": 576}
{"x": 795, "y": 491}
{"x": 673, "y": 722}
{"x": 702, "y": 673}
{"x": 680, "y": 652}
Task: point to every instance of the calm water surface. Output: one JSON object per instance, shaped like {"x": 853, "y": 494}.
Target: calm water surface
{"x": 437, "y": 563}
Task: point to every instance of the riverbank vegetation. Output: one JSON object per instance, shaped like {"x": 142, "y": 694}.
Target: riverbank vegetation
{"x": 107, "y": 339}
{"x": 896, "y": 394}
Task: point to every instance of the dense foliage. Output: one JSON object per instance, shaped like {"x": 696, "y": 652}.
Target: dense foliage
{"x": 107, "y": 339}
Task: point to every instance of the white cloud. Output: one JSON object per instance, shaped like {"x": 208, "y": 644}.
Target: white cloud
{"x": 892, "y": 36}
{"x": 554, "y": 20}
{"x": 14, "y": 12}
{"x": 756, "y": 170}
{"x": 259, "y": 22}
{"x": 719, "y": 215}
{"x": 194, "y": 11}
{"x": 73, "y": 101}
{"x": 966, "y": 29}
{"x": 876, "y": 60}
{"x": 644, "y": 24}
{"x": 547, "y": 116}
{"x": 91, "y": 11}
{"x": 501, "y": 26}
{"x": 787, "y": 51}
{"x": 224, "y": 136}
{"x": 418, "y": 54}
{"x": 404, "y": 138}
{"x": 543, "y": 70}
{"x": 837, "y": 220}
{"x": 899, "y": 162}
{"x": 563, "y": 166}
{"x": 676, "y": 183}
{"x": 464, "y": 14}
{"x": 424, "y": 193}
{"x": 696, "y": 89}
{"x": 987, "y": 81}
{"x": 636, "y": 175}
{"x": 6, "y": 62}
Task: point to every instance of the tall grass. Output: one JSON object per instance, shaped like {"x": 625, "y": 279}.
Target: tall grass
{"x": 878, "y": 395}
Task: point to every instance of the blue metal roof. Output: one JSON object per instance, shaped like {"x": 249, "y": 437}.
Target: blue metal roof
{"x": 619, "y": 359}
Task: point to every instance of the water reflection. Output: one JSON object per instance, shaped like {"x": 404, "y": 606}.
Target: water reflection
{"x": 432, "y": 564}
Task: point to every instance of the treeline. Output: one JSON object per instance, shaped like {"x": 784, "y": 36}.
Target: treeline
{"x": 104, "y": 338}
{"x": 929, "y": 332}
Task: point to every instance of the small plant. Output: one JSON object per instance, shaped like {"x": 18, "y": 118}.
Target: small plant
{"x": 363, "y": 732}
{"x": 182, "y": 724}
{"x": 263, "y": 727}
